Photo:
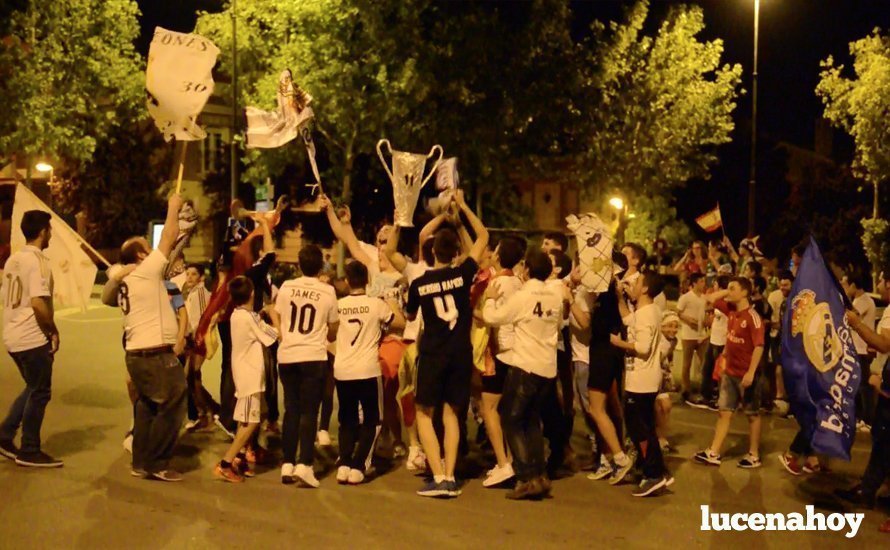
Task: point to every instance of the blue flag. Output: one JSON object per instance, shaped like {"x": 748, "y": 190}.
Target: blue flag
{"x": 819, "y": 361}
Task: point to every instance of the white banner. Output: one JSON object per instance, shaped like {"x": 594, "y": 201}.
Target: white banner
{"x": 594, "y": 251}
{"x": 268, "y": 129}
{"x": 73, "y": 270}
{"x": 179, "y": 81}
{"x": 447, "y": 178}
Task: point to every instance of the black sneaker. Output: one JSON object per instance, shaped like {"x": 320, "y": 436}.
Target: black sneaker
{"x": 8, "y": 449}
{"x": 697, "y": 402}
{"x": 649, "y": 487}
{"x": 857, "y": 497}
{"x": 37, "y": 460}
{"x": 712, "y": 406}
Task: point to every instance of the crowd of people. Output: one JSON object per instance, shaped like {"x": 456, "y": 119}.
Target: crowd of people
{"x": 415, "y": 345}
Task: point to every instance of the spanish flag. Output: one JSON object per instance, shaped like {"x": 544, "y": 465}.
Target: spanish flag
{"x": 711, "y": 220}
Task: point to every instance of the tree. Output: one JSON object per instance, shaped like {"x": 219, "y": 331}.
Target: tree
{"x": 655, "y": 218}
{"x": 657, "y": 107}
{"x": 860, "y": 106}
{"x": 69, "y": 72}
{"x": 417, "y": 72}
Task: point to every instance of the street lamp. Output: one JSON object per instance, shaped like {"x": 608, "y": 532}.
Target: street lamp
{"x": 752, "y": 181}
{"x": 44, "y": 167}
{"x": 617, "y": 203}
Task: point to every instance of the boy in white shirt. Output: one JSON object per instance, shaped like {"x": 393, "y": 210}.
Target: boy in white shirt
{"x": 249, "y": 335}
{"x": 643, "y": 379}
{"x": 305, "y": 316}
{"x": 536, "y": 312}
{"x": 357, "y": 372}
{"x": 691, "y": 308}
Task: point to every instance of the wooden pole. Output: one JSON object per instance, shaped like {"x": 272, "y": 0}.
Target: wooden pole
{"x": 181, "y": 166}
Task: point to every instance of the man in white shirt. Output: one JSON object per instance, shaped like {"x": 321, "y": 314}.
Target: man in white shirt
{"x": 854, "y": 286}
{"x": 536, "y": 313}
{"x": 707, "y": 399}
{"x": 507, "y": 255}
{"x": 31, "y": 338}
{"x": 643, "y": 380}
{"x": 151, "y": 330}
{"x": 691, "y": 308}
{"x": 305, "y": 316}
{"x": 357, "y": 372}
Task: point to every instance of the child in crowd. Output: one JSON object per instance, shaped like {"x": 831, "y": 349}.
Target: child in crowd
{"x": 670, "y": 326}
{"x": 249, "y": 335}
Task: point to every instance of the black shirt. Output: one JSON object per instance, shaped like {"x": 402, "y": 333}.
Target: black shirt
{"x": 259, "y": 276}
{"x": 605, "y": 320}
{"x": 443, "y": 296}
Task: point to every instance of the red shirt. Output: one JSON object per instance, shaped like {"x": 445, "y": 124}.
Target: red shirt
{"x": 745, "y": 333}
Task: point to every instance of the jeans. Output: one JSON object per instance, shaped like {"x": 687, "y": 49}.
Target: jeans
{"x": 303, "y": 384}
{"x": 520, "y": 410}
{"x": 582, "y": 372}
{"x": 557, "y": 427}
{"x": 801, "y": 445}
{"x": 160, "y": 408}
{"x": 357, "y": 439}
{"x": 327, "y": 397}
{"x": 878, "y": 468}
{"x": 226, "y": 381}
{"x": 270, "y": 360}
{"x": 639, "y": 412}
{"x": 707, "y": 372}
{"x": 36, "y": 368}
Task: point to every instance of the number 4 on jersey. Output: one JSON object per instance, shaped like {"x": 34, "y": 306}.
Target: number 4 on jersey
{"x": 446, "y": 309}
{"x": 539, "y": 311}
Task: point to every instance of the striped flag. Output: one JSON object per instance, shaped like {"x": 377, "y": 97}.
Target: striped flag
{"x": 711, "y": 220}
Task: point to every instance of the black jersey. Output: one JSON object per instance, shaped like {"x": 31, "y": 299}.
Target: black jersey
{"x": 443, "y": 297}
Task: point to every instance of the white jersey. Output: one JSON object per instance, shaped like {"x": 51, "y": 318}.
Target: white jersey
{"x": 149, "y": 320}
{"x": 358, "y": 338}
{"x": 508, "y": 285}
{"x": 559, "y": 287}
{"x": 27, "y": 275}
{"x": 581, "y": 337}
{"x": 775, "y": 300}
{"x": 306, "y": 307}
{"x": 536, "y": 313}
{"x": 694, "y": 306}
{"x": 865, "y": 307}
{"x": 719, "y": 328}
{"x": 195, "y": 304}
{"x": 412, "y": 328}
{"x": 644, "y": 373}
{"x": 249, "y": 335}
{"x": 877, "y": 366}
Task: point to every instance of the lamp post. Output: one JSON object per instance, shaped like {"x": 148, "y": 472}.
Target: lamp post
{"x": 43, "y": 167}
{"x": 621, "y": 208}
{"x": 233, "y": 168}
{"x": 753, "y": 179}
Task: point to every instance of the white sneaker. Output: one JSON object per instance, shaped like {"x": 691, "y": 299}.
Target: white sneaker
{"x": 343, "y": 475}
{"x": 287, "y": 473}
{"x": 128, "y": 443}
{"x": 323, "y": 438}
{"x": 305, "y": 474}
{"x": 498, "y": 475}
{"x": 416, "y": 459}
{"x": 356, "y": 477}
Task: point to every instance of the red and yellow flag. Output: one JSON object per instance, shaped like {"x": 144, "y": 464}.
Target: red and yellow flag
{"x": 711, "y": 220}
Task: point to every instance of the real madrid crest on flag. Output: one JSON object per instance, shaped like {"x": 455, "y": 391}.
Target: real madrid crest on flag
{"x": 594, "y": 251}
{"x": 819, "y": 361}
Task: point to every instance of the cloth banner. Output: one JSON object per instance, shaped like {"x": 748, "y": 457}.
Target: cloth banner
{"x": 74, "y": 271}
{"x": 179, "y": 82}
{"x": 594, "y": 251}
{"x": 819, "y": 361}
{"x": 447, "y": 178}
{"x": 711, "y": 220}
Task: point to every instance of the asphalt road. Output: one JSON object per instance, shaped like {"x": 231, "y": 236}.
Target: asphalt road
{"x": 93, "y": 502}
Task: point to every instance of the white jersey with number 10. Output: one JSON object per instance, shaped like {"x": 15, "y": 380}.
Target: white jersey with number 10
{"x": 306, "y": 307}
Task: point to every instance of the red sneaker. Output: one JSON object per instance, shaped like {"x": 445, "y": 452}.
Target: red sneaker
{"x": 789, "y": 461}
{"x": 226, "y": 474}
{"x": 885, "y": 527}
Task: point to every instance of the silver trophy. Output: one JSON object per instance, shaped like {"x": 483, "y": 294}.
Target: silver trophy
{"x": 407, "y": 179}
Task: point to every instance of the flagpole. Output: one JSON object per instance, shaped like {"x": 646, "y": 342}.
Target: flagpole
{"x": 181, "y": 166}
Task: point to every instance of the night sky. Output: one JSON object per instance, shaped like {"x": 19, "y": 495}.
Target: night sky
{"x": 794, "y": 36}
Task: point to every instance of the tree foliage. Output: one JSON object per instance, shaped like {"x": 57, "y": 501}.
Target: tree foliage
{"x": 861, "y": 105}
{"x": 657, "y": 106}
{"x": 654, "y": 217}
{"x": 70, "y": 74}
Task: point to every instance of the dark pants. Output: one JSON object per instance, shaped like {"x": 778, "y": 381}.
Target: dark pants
{"x": 557, "y": 427}
{"x": 801, "y": 445}
{"x": 160, "y": 408}
{"x": 865, "y": 397}
{"x": 357, "y": 439}
{"x": 199, "y": 399}
{"x": 878, "y": 468}
{"x": 226, "y": 381}
{"x": 520, "y": 410}
{"x": 708, "y": 386}
{"x": 36, "y": 368}
{"x": 327, "y": 397}
{"x": 303, "y": 384}
{"x": 270, "y": 359}
{"x": 639, "y": 412}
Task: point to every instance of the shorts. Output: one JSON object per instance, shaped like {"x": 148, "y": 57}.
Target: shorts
{"x": 248, "y": 409}
{"x": 389, "y": 355}
{"x": 444, "y": 378}
{"x": 606, "y": 367}
{"x": 495, "y": 383}
{"x": 732, "y": 397}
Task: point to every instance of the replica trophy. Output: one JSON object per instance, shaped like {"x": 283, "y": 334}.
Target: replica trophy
{"x": 407, "y": 179}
